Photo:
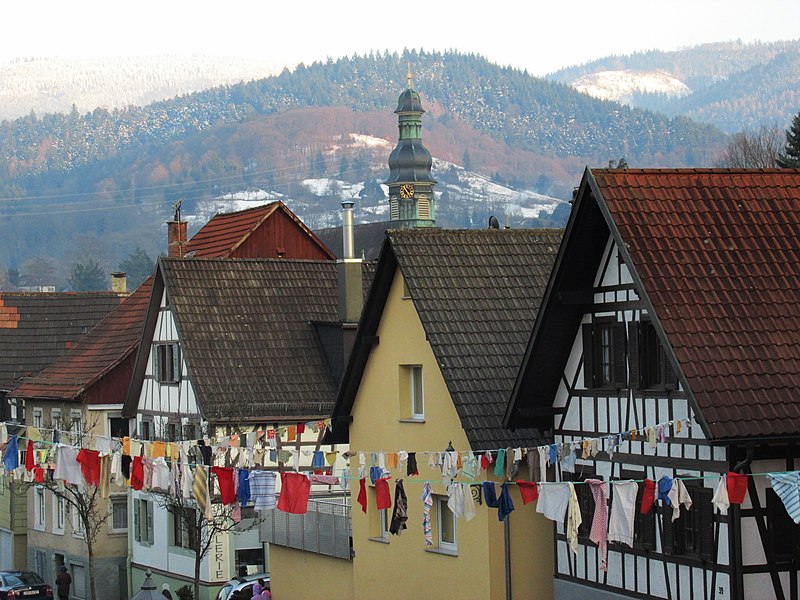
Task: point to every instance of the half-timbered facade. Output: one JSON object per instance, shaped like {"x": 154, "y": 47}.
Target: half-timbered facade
{"x": 670, "y": 333}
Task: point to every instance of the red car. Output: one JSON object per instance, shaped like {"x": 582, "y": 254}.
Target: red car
{"x": 24, "y": 584}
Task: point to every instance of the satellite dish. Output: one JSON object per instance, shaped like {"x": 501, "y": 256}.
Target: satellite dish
{"x": 494, "y": 223}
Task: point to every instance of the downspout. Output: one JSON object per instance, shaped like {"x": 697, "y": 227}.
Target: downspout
{"x": 507, "y": 544}
{"x": 735, "y": 536}
{"x": 746, "y": 462}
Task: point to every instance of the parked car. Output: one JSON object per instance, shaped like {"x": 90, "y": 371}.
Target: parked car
{"x": 24, "y": 584}
{"x": 244, "y": 583}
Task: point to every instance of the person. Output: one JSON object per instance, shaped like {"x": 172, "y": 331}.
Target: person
{"x": 256, "y": 591}
{"x": 63, "y": 581}
{"x": 265, "y": 592}
{"x": 165, "y": 591}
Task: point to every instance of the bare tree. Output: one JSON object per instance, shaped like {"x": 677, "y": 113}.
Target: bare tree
{"x": 757, "y": 149}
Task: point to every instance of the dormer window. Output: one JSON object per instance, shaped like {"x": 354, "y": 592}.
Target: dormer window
{"x": 167, "y": 363}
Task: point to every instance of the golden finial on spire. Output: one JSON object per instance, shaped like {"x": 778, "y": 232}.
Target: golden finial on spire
{"x": 408, "y": 77}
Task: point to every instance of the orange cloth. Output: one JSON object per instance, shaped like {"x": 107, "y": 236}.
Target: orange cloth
{"x": 158, "y": 450}
{"x": 291, "y": 433}
{"x": 126, "y": 446}
{"x": 391, "y": 460}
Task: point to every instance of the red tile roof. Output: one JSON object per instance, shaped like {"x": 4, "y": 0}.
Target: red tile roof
{"x": 718, "y": 254}
{"x": 97, "y": 353}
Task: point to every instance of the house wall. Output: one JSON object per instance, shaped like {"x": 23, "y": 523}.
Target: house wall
{"x": 594, "y": 413}
{"x": 328, "y": 578}
{"x": 279, "y": 237}
{"x": 379, "y": 423}
{"x": 13, "y": 525}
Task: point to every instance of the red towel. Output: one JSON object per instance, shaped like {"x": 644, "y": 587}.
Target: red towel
{"x": 137, "y": 473}
{"x": 737, "y": 487}
{"x": 30, "y": 461}
{"x": 90, "y": 466}
{"x": 648, "y": 496}
{"x": 362, "y": 493}
{"x": 295, "y": 490}
{"x": 225, "y": 481}
{"x": 528, "y": 490}
{"x": 384, "y": 498}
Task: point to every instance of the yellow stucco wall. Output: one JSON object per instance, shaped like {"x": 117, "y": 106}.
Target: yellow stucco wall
{"x": 402, "y": 564}
{"x": 299, "y": 574}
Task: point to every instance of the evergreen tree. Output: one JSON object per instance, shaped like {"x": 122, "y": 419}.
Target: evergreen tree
{"x": 790, "y": 157}
{"x": 138, "y": 266}
{"x": 88, "y": 276}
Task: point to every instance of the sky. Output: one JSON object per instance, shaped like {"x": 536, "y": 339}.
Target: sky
{"x": 535, "y": 35}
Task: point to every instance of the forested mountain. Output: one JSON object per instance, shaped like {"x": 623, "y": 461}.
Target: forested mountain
{"x": 104, "y": 181}
{"x": 731, "y": 85}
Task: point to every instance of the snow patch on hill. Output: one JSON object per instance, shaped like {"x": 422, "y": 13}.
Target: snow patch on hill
{"x": 620, "y": 86}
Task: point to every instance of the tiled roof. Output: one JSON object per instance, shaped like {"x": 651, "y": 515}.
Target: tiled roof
{"x": 477, "y": 293}
{"x": 245, "y": 329}
{"x": 36, "y": 328}
{"x": 105, "y": 346}
{"x": 368, "y": 238}
{"x": 718, "y": 254}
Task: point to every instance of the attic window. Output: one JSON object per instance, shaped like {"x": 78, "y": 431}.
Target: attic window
{"x": 167, "y": 363}
{"x": 649, "y": 364}
{"x": 604, "y": 354}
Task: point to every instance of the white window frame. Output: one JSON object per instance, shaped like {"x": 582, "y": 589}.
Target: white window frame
{"x": 143, "y": 521}
{"x": 59, "y": 514}
{"x": 76, "y": 425}
{"x": 38, "y": 417}
{"x": 443, "y": 513}
{"x": 414, "y": 378}
{"x": 56, "y": 423}
{"x": 39, "y": 509}
{"x": 77, "y": 524}
{"x": 118, "y": 503}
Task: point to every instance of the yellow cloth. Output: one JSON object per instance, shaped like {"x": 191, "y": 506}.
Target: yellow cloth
{"x": 678, "y": 426}
{"x": 331, "y": 457}
{"x": 391, "y": 460}
{"x": 126, "y": 446}
{"x": 105, "y": 475}
{"x": 158, "y": 450}
{"x": 34, "y": 434}
{"x": 200, "y": 491}
{"x": 574, "y": 519}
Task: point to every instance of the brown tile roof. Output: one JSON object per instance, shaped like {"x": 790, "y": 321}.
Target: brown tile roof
{"x": 477, "y": 293}
{"x": 36, "y": 328}
{"x": 96, "y": 354}
{"x": 718, "y": 254}
{"x": 246, "y": 333}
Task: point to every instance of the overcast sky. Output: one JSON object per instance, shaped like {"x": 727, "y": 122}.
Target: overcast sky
{"x": 534, "y": 34}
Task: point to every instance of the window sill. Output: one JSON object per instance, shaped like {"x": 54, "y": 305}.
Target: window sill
{"x": 413, "y": 420}
{"x": 58, "y": 532}
{"x": 39, "y": 528}
{"x": 380, "y": 540}
{"x": 442, "y": 551}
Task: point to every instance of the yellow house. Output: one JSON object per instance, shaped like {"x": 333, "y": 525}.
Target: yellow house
{"x": 439, "y": 343}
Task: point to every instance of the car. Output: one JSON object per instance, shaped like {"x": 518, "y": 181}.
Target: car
{"x": 243, "y": 583}
{"x": 24, "y": 584}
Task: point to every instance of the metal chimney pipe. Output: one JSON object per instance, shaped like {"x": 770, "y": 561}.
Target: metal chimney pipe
{"x": 347, "y": 230}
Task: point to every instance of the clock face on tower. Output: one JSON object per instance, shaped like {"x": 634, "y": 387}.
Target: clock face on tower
{"x": 406, "y": 190}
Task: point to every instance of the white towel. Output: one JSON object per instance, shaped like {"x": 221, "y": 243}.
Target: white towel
{"x": 623, "y": 512}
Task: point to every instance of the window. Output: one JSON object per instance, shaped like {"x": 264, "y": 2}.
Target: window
{"x": 37, "y": 417}
{"x": 55, "y": 419}
{"x": 143, "y": 520}
{"x": 412, "y": 395}
{"x": 76, "y": 426}
{"x": 378, "y": 519}
{"x": 118, "y": 427}
{"x": 119, "y": 514}
{"x": 172, "y": 432}
{"x": 77, "y": 523}
{"x": 604, "y": 354}
{"x": 148, "y": 428}
{"x": 691, "y": 534}
{"x": 783, "y": 534}
{"x": 59, "y": 514}
{"x": 184, "y": 527}
{"x": 167, "y": 367}
{"x": 39, "y": 509}
{"x": 446, "y": 526}
{"x": 650, "y": 367}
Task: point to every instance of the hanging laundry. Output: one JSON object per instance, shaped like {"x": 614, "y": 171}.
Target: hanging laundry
{"x": 147, "y": 466}
{"x": 383, "y": 497}
{"x": 362, "y": 494}
{"x": 599, "y": 531}
{"x": 678, "y": 495}
{"x": 585, "y": 450}
{"x": 400, "y": 510}
{"x": 344, "y": 479}
{"x": 325, "y": 479}
{"x": 200, "y": 491}
{"x": 664, "y": 488}
{"x": 544, "y": 453}
{"x": 125, "y": 467}
{"x": 651, "y": 437}
{"x": 648, "y": 496}
{"x": 567, "y": 462}
{"x": 574, "y": 519}
{"x": 225, "y": 482}
{"x": 553, "y": 501}
{"x": 412, "y": 464}
{"x": 30, "y": 459}
{"x": 469, "y": 502}
{"x": 503, "y": 504}
{"x": 427, "y": 503}
{"x": 330, "y": 457}
{"x": 553, "y": 456}
{"x": 291, "y": 433}
{"x": 391, "y": 460}
{"x": 318, "y": 461}
{"x": 38, "y": 474}
{"x": 787, "y": 486}
{"x": 678, "y": 426}
{"x": 737, "y": 487}
{"x": 11, "y": 454}
{"x": 116, "y": 469}
{"x": 720, "y": 499}
{"x": 295, "y": 491}
{"x": 623, "y": 512}
{"x": 284, "y": 456}
{"x": 500, "y": 463}
{"x": 243, "y": 489}
{"x": 187, "y": 477}
{"x": 137, "y": 473}
{"x": 375, "y": 473}
{"x": 469, "y": 465}
{"x": 3, "y": 433}
{"x": 162, "y": 476}
{"x": 455, "y": 500}
{"x": 449, "y": 467}
{"x": 158, "y": 450}
{"x": 595, "y": 447}
{"x": 89, "y": 461}
{"x": 661, "y": 434}
{"x": 301, "y": 428}
{"x": 529, "y": 491}
{"x": 262, "y": 490}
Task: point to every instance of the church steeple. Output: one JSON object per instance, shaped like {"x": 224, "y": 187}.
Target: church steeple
{"x": 410, "y": 183}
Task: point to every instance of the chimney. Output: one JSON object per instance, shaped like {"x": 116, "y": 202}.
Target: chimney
{"x": 119, "y": 283}
{"x": 350, "y": 284}
{"x": 176, "y": 234}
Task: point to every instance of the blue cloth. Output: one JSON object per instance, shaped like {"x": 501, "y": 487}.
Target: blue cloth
{"x": 787, "y": 486}
{"x": 568, "y": 460}
{"x": 503, "y": 504}
{"x": 11, "y": 455}
{"x": 318, "y": 462}
{"x": 553, "y": 454}
{"x": 375, "y": 473}
{"x": 664, "y": 487}
{"x": 243, "y": 492}
{"x": 500, "y": 463}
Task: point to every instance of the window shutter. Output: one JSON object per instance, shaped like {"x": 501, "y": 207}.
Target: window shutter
{"x": 667, "y": 530}
{"x": 706, "y": 514}
{"x": 176, "y": 362}
{"x": 136, "y": 532}
{"x": 620, "y": 366}
{"x": 150, "y": 536}
{"x": 670, "y": 377}
{"x": 156, "y": 370}
{"x": 588, "y": 356}
{"x": 633, "y": 358}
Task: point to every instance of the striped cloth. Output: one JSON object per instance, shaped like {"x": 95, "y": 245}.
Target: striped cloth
{"x": 427, "y": 503}
{"x": 262, "y": 489}
{"x": 200, "y": 491}
{"x": 599, "y": 532}
{"x": 787, "y": 486}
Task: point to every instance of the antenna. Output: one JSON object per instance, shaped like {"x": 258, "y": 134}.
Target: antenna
{"x": 177, "y": 208}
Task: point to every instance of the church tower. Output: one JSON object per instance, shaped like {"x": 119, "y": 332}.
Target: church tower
{"x": 410, "y": 183}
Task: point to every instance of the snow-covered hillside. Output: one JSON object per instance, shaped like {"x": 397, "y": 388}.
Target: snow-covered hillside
{"x": 621, "y": 85}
